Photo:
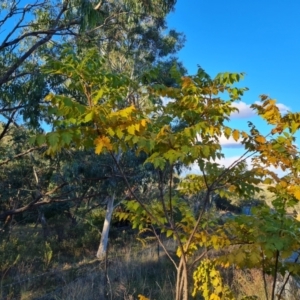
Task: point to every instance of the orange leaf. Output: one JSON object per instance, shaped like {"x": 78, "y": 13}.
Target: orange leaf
{"x": 186, "y": 82}
{"x": 144, "y": 122}
{"x": 260, "y": 139}
{"x": 244, "y": 134}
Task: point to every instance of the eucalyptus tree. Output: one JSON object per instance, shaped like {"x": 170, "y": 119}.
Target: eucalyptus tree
{"x": 132, "y": 42}
{"x": 31, "y": 31}
{"x": 139, "y": 45}
{"x": 124, "y": 31}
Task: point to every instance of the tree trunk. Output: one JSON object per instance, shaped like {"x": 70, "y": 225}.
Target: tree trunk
{"x": 5, "y": 230}
{"x": 101, "y": 253}
{"x": 182, "y": 292}
{"x": 44, "y": 224}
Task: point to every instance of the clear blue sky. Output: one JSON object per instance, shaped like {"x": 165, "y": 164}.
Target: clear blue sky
{"x": 258, "y": 37}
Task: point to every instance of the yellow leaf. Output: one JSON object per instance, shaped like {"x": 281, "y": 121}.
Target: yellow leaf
{"x": 236, "y": 135}
{"x": 119, "y": 133}
{"x": 137, "y": 127}
{"x": 260, "y": 139}
{"x": 215, "y": 242}
{"x": 49, "y": 97}
{"x": 231, "y": 188}
{"x": 214, "y": 297}
{"x": 227, "y": 132}
{"x": 268, "y": 181}
{"x": 144, "y": 122}
{"x": 244, "y": 134}
{"x": 131, "y": 129}
{"x": 141, "y": 297}
{"x": 294, "y": 126}
{"x": 179, "y": 252}
{"x": 297, "y": 194}
{"x": 211, "y": 130}
{"x": 204, "y": 237}
{"x": 126, "y": 111}
{"x": 102, "y": 142}
{"x": 186, "y": 82}
{"x": 283, "y": 183}
{"x": 110, "y": 131}
{"x": 254, "y": 257}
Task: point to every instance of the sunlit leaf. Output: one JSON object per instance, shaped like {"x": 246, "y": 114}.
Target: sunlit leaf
{"x": 260, "y": 139}
{"x": 236, "y": 135}
{"x": 102, "y": 142}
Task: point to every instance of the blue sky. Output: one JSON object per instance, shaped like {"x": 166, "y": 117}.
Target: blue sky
{"x": 260, "y": 38}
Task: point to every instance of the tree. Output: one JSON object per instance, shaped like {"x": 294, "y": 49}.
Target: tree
{"x": 125, "y": 29}
{"x": 96, "y": 102}
{"x": 41, "y": 28}
{"x": 185, "y": 131}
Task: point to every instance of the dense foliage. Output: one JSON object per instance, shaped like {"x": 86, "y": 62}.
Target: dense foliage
{"x": 97, "y": 114}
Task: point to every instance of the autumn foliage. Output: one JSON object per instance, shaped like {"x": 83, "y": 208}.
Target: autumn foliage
{"x": 183, "y": 132}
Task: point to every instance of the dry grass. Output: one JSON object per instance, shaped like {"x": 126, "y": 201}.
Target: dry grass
{"x": 131, "y": 271}
{"x": 250, "y": 283}
{"x": 144, "y": 272}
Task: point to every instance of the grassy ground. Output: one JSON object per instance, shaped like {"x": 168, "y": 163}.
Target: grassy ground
{"x": 64, "y": 267}
{"x": 34, "y": 269}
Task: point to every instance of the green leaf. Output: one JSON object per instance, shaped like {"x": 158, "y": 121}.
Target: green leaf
{"x": 66, "y": 137}
{"x": 172, "y": 155}
{"x": 268, "y": 181}
{"x": 205, "y": 151}
{"x": 53, "y": 138}
{"x": 159, "y": 162}
{"x": 294, "y": 127}
{"x": 119, "y": 133}
{"x": 110, "y": 132}
{"x": 32, "y": 140}
{"x": 135, "y": 205}
{"x": 169, "y": 233}
{"x": 98, "y": 96}
{"x": 40, "y": 139}
{"x": 89, "y": 117}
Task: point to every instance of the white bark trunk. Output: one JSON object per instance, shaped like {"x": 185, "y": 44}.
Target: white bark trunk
{"x": 44, "y": 224}
{"x": 101, "y": 253}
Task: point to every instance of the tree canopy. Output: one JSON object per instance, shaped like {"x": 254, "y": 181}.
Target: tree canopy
{"x": 96, "y": 111}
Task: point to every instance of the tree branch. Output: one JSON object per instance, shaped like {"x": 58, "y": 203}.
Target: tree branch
{"x": 20, "y": 154}
{"x": 36, "y": 203}
{"x": 15, "y": 28}
{"x": 10, "y": 120}
{"x": 2, "y": 110}
{"x": 6, "y": 77}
